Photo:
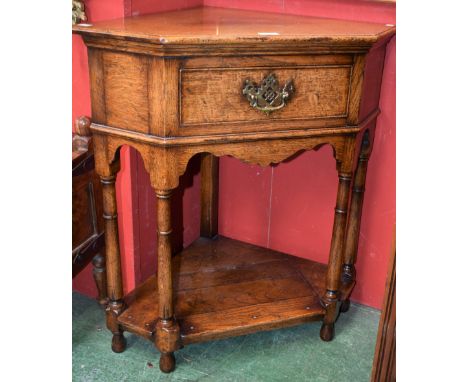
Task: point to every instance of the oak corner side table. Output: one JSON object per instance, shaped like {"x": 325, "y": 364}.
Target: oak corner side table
{"x": 256, "y": 86}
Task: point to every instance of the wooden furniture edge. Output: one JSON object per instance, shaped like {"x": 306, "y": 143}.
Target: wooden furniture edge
{"x": 184, "y": 46}
{"x": 384, "y": 367}
{"x": 229, "y": 138}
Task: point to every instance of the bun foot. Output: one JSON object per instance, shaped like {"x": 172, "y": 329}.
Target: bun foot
{"x": 344, "y": 306}
{"x": 167, "y": 362}
{"x": 327, "y": 332}
{"x": 119, "y": 343}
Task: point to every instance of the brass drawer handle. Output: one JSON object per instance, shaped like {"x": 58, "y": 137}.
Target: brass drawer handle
{"x": 268, "y": 96}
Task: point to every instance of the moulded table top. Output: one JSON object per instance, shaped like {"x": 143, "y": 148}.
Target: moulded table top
{"x": 209, "y": 25}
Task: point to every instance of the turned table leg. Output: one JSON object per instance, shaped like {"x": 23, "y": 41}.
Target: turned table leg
{"x": 331, "y": 299}
{"x": 99, "y": 274}
{"x": 167, "y": 329}
{"x": 114, "y": 272}
{"x": 348, "y": 274}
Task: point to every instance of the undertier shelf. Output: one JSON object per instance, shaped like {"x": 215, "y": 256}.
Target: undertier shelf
{"x": 224, "y": 288}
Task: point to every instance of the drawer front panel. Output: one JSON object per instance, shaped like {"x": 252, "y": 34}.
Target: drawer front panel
{"x": 214, "y": 96}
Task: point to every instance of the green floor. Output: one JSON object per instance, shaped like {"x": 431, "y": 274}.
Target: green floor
{"x": 294, "y": 354}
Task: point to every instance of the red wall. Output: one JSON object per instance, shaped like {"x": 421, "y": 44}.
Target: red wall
{"x": 288, "y": 207}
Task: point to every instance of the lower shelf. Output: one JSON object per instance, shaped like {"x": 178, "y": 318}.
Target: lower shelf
{"x": 224, "y": 288}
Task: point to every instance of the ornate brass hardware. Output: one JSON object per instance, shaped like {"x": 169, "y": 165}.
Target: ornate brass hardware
{"x": 268, "y": 96}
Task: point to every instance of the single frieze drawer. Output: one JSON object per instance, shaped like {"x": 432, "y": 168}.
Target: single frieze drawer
{"x": 216, "y": 95}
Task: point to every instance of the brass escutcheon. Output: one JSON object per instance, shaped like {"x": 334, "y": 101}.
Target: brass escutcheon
{"x": 268, "y": 96}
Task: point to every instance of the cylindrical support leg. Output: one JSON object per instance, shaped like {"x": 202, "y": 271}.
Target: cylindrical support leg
{"x": 348, "y": 274}
{"x": 330, "y": 299}
{"x": 113, "y": 266}
{"x": 167, "y": 329}
{"x": 99, "y": 274}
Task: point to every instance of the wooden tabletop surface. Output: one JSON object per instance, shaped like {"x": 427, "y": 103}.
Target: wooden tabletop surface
{"x": 218, "y": 25}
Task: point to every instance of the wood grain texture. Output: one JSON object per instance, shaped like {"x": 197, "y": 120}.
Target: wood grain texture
{"x": 174, "y": 98}
{"x": 355, "y": 211}
{"x": 250, "y": 319}
{"x": 100, "y": 277}
{"x": 166, "y": 310}
{"x": 252, "y": 288}
{"x": 167, "y": 338}
{"x": 223, "y": 100}
{"x": 384, "y": 368}
{"x": 209, "y": 173}
{"x": 214, "y": 96}
{"x": 216, "y": 31}
{"x": 372, "y": 80}
{"x": 357, "y": 78}
{"x": 270, "y": 61}
{"x": 126, "y": 91}
{"x": 97, "y": 85}
{"x": 165, "y": 165}
{"x": 114, "y": 267}
{"x": 114, "y": 276}
{"x": 331, "y": 296}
